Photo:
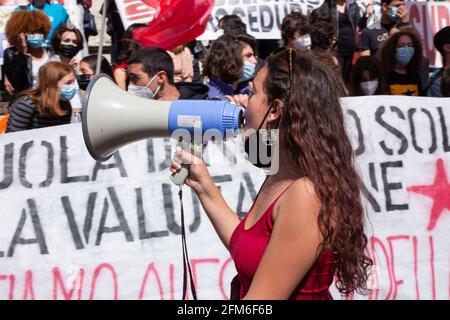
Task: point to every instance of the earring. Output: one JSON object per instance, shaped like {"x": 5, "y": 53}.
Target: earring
{"x": 268, "y": 138}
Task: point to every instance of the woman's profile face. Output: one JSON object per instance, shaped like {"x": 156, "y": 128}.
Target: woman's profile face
{"x": 257, "y": 105}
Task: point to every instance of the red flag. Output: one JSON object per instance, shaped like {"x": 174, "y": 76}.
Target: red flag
{"x": 176, "y": 22}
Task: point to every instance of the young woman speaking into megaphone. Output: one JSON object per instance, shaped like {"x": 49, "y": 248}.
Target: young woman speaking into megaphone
{"x": 306, "y": 225}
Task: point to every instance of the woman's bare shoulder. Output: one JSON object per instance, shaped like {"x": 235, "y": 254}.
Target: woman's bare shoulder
{"x": 301, "y": 198}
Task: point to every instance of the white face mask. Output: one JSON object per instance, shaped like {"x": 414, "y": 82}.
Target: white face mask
{"x": 302, "y": 43}
{"x": 369, "y": 87}
{"x": 144, "y": 91}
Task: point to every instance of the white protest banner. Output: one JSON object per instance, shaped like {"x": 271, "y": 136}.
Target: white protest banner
{"x": 76, "y": 229}
{"x": 428, "y": 18}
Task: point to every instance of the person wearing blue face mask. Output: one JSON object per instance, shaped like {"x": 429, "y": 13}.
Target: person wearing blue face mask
{"x": 26, "y": 31}
{"x": 393, "y": 16}
{"x": 230, "y": 65}
{"x": 248, "y": 57}
{"x": 47, "y": 104}
{"x": 56, "y": 13}
{"x": 401, "y": 59}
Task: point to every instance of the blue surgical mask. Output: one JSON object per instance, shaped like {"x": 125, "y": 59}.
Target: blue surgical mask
{"x": 248, "y": 72}
{"x": 404, "y": 55}
{"x": 67, "y": 92}
{"x": 144, "y": 91}
{"x": 393, "y": 13}
{"x": 35, "y": 40}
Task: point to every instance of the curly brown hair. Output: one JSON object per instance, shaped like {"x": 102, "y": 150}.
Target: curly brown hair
{"x": 224, "y": 59}
{"x": 312, "y": 131}
{"x": 22, "y": 21}
{"x": 388, "y": 49}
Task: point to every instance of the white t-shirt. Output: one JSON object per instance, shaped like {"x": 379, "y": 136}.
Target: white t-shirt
{"x": 37, "y": 64}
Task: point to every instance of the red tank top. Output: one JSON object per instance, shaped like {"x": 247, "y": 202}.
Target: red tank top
{"x": 247, "y": 249}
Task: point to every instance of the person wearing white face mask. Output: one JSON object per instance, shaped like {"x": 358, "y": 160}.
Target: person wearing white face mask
{"x": 48, "y": 104}
{"x": 366, "y": 78}
{"x": 150, "y": 72}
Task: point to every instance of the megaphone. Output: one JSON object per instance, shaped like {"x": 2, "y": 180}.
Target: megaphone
{"x": 113, "y": 118}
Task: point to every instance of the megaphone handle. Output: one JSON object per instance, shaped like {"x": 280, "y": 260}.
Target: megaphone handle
{"x": 180, "y": 176}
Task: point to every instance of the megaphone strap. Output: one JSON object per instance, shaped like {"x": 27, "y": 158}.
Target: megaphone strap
{"x": 186, "y": 262}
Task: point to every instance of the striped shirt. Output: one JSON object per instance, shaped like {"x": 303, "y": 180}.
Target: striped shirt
{"x": 24, "y": 116}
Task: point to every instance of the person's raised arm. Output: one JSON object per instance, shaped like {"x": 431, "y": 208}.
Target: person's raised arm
{"x": 223, "y": 219}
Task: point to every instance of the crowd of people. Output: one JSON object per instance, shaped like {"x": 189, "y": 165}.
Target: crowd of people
{"x": 382, "y": 59}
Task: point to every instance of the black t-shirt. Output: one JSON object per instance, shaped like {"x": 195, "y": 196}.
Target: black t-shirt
{"x": 371, "y": 38}
{"x": 405, "y": 84}
{"x": 346, "y": 38}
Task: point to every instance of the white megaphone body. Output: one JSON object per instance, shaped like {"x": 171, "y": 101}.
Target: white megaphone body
{"x": 113, "y": 118}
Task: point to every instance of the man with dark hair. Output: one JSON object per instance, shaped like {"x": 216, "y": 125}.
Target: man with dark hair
{"x": 150, "y": 71}
{"x": 442, "y": 43}
{"x": 393, "y": 14}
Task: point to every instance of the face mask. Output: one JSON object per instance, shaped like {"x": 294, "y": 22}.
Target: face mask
{"x": 83, "y": 81}
{"x": 263, "y": 148}
{"x": 302, "y": 43}
{"x": 67, "y": 92}
{"x": 35, "y": 40}
{"x": 393, "y": 13}
{"x": 404, "y": 55}
{"x": 143, "y": 92}
{"x": 68, "y": 51}
{"x": 248, "y": 72}
{"x": 369, "y": 87}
